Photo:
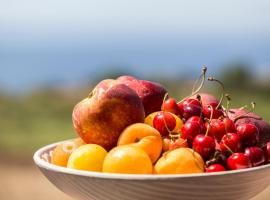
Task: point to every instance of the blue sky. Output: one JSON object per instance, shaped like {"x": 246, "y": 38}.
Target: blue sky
{"x": 60, "y": 39}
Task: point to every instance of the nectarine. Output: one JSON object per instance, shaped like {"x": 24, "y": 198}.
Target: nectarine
{"x": 109, "y": 109}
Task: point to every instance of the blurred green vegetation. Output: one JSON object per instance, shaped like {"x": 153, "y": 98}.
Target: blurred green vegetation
{"x": 43, "y": 116}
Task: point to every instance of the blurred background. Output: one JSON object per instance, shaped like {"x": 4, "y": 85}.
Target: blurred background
{"x": 53, "y": 52}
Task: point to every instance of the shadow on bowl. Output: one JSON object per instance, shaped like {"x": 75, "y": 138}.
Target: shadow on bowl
{"x": 85, "y": 185}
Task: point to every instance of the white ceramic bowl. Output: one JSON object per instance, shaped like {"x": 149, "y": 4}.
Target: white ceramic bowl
{"x": 84, "y": 185}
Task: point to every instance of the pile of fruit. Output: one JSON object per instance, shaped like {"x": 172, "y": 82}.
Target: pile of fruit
{"x": 132, "y": 126}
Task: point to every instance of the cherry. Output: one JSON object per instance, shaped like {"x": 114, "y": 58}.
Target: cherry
{"x": 199, "y": 120}
{"x": 170, "y": 105}
{"x": 230, "y": 143}
{"x": 204, "y": 145}
{"x": 164, "y": 122}
{"x": 207, "y": 109}
{"x": 215, "y": 168}
{"x": 229, "y": 125}
{"x": 216, "y": 129}
{"x": 195, "y": 119}
{"x": 190, "y": 130}
{"x": 190, "y": 107}
{"x": 248, "y": 133}
{"x": 267, "y": 152}
{"x": 238, "y": 161}
{"x": 256, "y": 155}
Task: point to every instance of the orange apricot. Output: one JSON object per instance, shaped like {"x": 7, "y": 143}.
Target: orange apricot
{"x": 143, "y": 136}
{"x": 62, "y": 151}
{"x": 180, "y": 161}
{"x": 127, "y": 159}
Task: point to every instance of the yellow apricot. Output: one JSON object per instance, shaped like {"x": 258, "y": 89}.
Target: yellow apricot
{"x": 87, "y": 157}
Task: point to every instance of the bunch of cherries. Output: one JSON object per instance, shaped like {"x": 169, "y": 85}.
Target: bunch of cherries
{"x": 209, "y": 131}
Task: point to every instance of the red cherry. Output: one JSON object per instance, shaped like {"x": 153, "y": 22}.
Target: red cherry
{"x": 190, "y": 130}
{"x": 230, "y": 142}
{"x": 196, "y": 119}
{"x": 229, "y": 125}
{"x": 204, "y": 145}
{"x": 170, "y": 105}
{"x": 216, "y": 129}
{"x": 248, "y": 133}
{"x": 199, "y": 120}
{"x": 215, "y": 168}
{"x": 256, "y": 155}
{"x": 217, "y": 112}
{"x": 238, "y": 161}
{"x": 190, "y": 107}
{"x": 267, "y": 152}
{"x": 164, "y": 121}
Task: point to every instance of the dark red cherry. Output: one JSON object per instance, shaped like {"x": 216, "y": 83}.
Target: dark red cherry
{"x": 164, "y": 122}
{"x": 216, "y": 129}
{"x": 256, "y": 155}
{"x": 267, "y": 152}
{"x": 248, "y": 133}
{"x": 170, "y": 105}
{"x": 238, "y": 161}
{"x": 190, "y": 130}
{"x": 217, "y": 112}
{"x": 190, "y": 107}
{"x": 215, "y": 168}
{"x": 229, "y": 143}
{"x": 204, "y": 145}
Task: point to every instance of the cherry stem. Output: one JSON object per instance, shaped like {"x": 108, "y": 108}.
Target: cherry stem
{"x": 228, "y": 148}
{"x": 228, "y": 97}
{"x": 202, "y": 78}
{"x": 223, "y": 90}
{"x": 165, "y": 97}
{"x": 253, "y": 105}
{"x": 210, "y": 120}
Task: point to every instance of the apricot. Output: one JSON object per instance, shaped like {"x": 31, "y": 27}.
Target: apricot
{"x": 179, "y": 123}
{"x": 143, "y": 136}
{"x": 127, "y": 159}
{"x": 88, "y": 157}
{"x": 180, "y": 161}
{"x": 62, "y": 151}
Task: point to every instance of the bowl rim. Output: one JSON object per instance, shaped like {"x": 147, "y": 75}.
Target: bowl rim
{"x": 51, "y": 167}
